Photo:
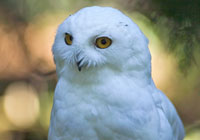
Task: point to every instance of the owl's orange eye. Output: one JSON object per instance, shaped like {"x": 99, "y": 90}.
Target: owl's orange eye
{"x": 103, "y": 42}
{"x": 68, "y": 39}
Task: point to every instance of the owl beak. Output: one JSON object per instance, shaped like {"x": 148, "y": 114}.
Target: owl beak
{"x": 78, "y": 64}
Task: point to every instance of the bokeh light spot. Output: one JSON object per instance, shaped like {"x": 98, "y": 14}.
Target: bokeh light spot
{"x": 21, "y": 104}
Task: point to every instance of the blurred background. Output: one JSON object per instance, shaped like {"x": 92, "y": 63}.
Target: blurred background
{"x": 27, "y": 78}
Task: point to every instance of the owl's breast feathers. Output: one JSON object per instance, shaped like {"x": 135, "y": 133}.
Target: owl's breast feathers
{"x": 116, "y": 109}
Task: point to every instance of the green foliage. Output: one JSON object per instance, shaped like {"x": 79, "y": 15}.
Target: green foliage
{"x": 185, "y": 28}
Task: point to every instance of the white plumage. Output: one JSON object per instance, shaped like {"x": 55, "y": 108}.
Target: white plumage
{"x": 107, "y": 94}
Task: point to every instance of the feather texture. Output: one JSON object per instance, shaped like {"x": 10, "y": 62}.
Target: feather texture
{"x": 113, "y": 97}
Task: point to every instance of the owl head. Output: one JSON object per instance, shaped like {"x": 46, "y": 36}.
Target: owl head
{"x": 96, "y": 38}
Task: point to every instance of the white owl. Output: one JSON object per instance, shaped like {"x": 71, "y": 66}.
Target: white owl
{"x": 105, "y": 90}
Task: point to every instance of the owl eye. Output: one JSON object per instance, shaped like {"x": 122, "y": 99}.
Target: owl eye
{"x": 103, "y": 42}
{"x": 68, "y": 39}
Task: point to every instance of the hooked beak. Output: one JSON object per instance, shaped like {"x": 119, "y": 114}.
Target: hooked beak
{"x": 78, "y": 64}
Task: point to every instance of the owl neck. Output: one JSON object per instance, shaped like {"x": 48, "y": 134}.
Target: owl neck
{"x": 99, "y": 75}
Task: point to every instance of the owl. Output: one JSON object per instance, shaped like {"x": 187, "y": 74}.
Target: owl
{"x": 105, "y": 89}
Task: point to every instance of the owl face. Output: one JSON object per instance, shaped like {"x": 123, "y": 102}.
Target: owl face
{"x": 96, "y": 37}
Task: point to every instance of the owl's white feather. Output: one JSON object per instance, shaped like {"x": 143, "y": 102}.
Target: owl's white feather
{"x": 113, "y": 97}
